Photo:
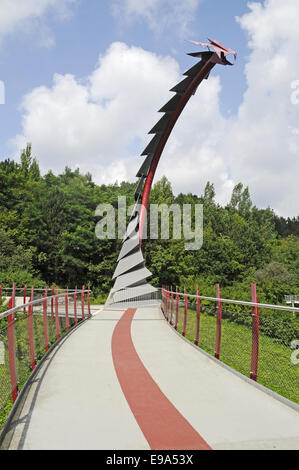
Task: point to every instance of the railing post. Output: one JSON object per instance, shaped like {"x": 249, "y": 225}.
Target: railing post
{"x": 57, "y": 318}
{"x": 219, "y": 323}
{"x": 88, "y": 302}
{"x": 52, "y": 303}
{"x": 75, "y": 306}
{"x": 45, "y": 322}
{"x": 177, "y": 308}
{"x": 82, "y": 303}
{"x": 12, "y": 352}
{"x": 255, "y": 335}
{"x": 196, "y": 341}
{"x": 25, "y": 295}
{"x": 169, "y": 304}
{"x": 31, "y": 334}
{"x": 165, "y": 303}
{"x": 185, "y": 312}
{"x": 13, "y": 295}
{"x": 66, "y": 305}
{"x": 171, "y": 315}
{"x": 32, "y": 295}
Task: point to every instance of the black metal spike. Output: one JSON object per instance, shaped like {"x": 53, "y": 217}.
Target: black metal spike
{"x": 182, "y": 86}
{"x": 197, "y": 67}
{"x": 203, "y": 55}
{"x": 139, "y": 188}
{"x": 171, "y": 105}
{"x": 151, "y": 148}
{"x": 161, "y": 125}
{"x": 143, "y": 171}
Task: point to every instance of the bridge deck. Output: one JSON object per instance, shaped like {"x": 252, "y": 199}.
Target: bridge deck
{"x": 125, "y": 380}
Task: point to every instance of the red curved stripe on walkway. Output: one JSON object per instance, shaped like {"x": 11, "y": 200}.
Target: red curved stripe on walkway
{"x": 161, "y": 423}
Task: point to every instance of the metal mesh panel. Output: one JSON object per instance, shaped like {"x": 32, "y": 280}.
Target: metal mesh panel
{"x": 275, "y": 367}
{"x": 22, "y": 346}
{"x": 31, "y": 339}
{"x": 71, "y": 311}
{"x": 38, "y": 328}
{"x": 5, "y": 385}
{"x": 261, "y": 346}
{"x": 137, "y": 300}
{"x": 51, "y": 323}
{"x": 61, "y": 315}
{"x": 207, "y": 328}
{"x": 236, "y": 340}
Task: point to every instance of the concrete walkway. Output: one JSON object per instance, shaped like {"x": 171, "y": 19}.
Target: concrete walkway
{"x": 125, "y": 380}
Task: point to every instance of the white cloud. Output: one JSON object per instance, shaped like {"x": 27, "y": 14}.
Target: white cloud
{"x": 159, "y": 15}
{"x": 265, "y": 150}
{"x": 26, "y": 15}
{"x": 101, "y": 124}
{"x": 191, "y": 156}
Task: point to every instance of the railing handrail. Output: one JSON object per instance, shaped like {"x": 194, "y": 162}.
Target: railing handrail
{"x": 237, "y": 302}
{"x": 40, "y": 300}
{"x": 42, "y": 289}
{"x": 247, "y": 343}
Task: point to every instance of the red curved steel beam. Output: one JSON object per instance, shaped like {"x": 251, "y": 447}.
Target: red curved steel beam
{"x": 130, "y": 272}
{"x": 216, "y": 58}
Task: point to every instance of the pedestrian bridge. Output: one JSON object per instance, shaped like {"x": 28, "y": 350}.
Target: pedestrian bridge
{"x": 126, "y": 379}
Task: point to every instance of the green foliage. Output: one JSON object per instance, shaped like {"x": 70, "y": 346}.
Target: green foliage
{"x": 275, "y": 370}
{"x": 274, "y": 271}
{"x": 48, "y": 234}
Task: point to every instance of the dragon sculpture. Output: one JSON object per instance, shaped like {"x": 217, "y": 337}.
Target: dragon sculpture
{"x": 131, "y": 274}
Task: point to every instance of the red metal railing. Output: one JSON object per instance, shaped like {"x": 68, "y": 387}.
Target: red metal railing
{"x": 249, "y": 336}
{"x": 219, "y": 323}
{"x": 28, "y": 330}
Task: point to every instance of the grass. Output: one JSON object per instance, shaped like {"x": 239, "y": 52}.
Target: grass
{"x": 275, "y": 369}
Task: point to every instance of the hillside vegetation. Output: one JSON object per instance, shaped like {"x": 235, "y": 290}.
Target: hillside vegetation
{"x": 47, "y": 234}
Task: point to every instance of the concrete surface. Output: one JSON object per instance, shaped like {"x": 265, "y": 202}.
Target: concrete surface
{"x": 227, "y": 411}
{"x": 76, "y": 401}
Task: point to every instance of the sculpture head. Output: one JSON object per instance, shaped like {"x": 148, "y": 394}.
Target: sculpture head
{"x": 221, "y": 51}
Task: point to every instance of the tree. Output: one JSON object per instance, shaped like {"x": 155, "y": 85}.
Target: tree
{"x": 162, "y": 192}
{"x": 209, "y": 193}
{"x": 273, "y": 271}
{"x": 48, "y": 235}
{"x": 240, "y": 200}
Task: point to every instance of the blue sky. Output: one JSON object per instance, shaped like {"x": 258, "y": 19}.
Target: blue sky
{"x": 88, "y": 32}
{"x": 67, "y": 37}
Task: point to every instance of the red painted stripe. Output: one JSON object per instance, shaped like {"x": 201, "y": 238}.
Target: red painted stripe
{"x": 161, "y": 423}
